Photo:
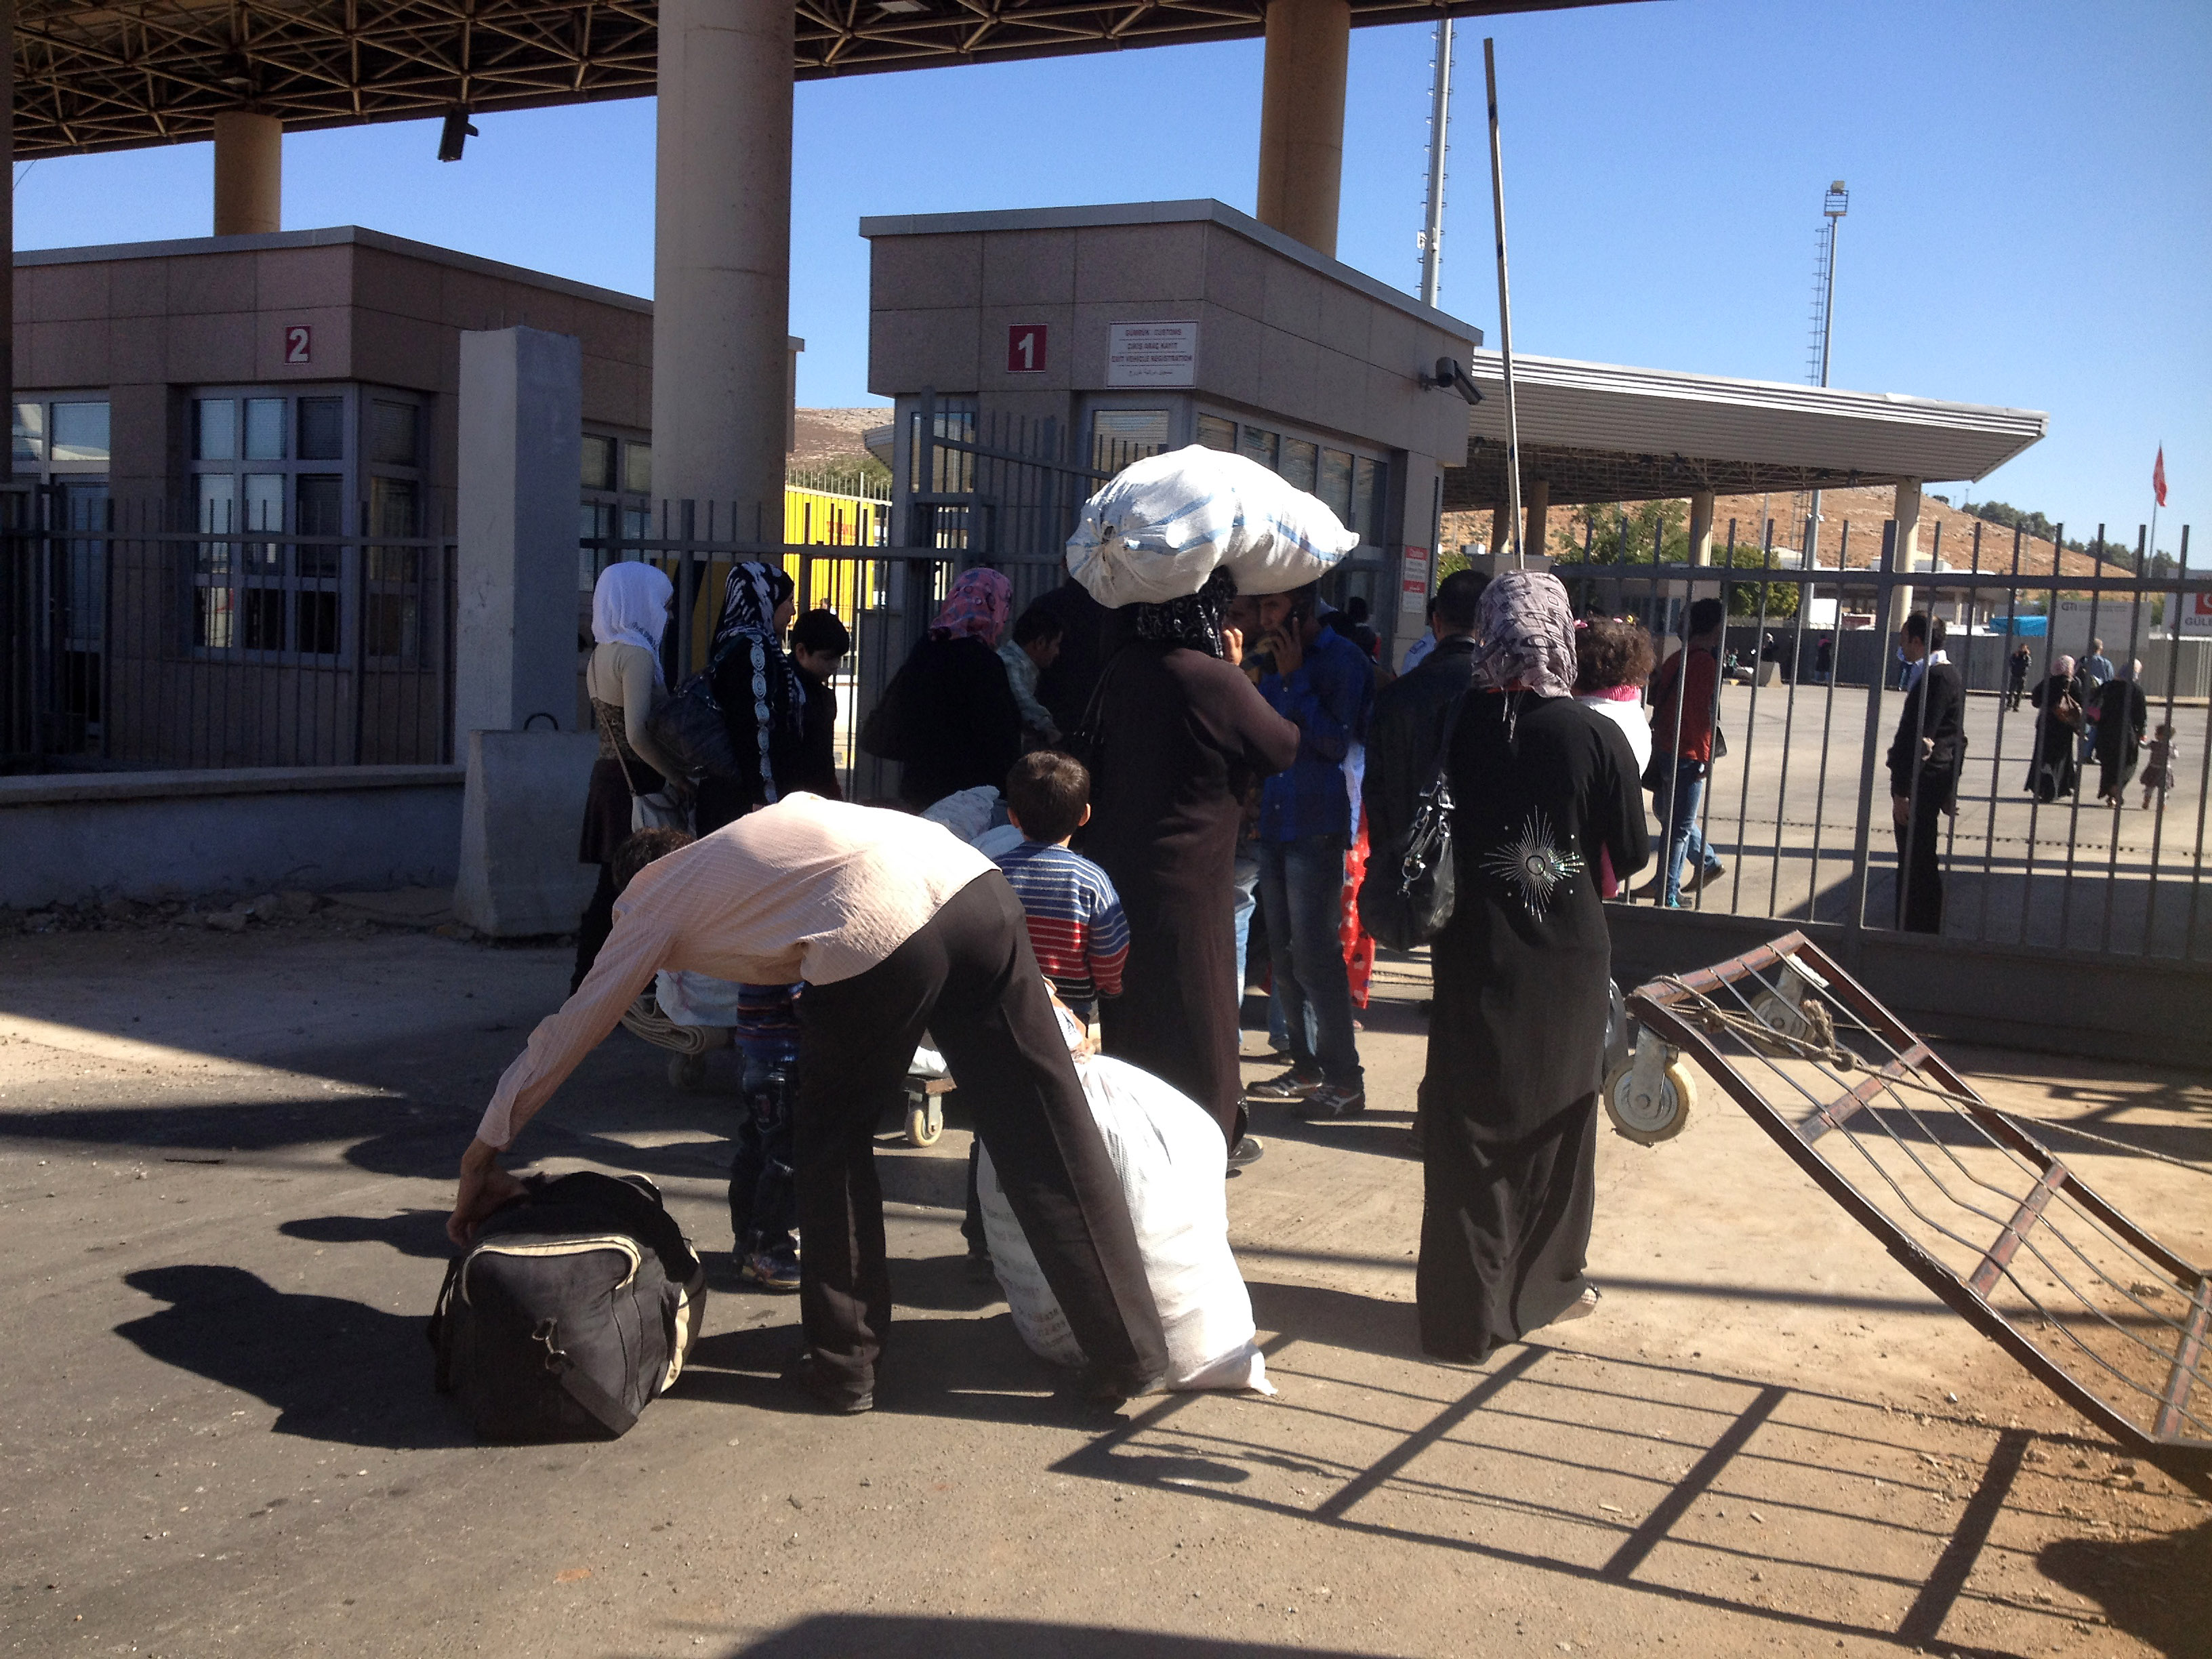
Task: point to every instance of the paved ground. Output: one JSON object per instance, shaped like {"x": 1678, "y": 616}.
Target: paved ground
{"x": 224, "y": 1160}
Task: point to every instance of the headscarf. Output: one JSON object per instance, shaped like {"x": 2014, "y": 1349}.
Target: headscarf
{"x": 976, "y": 608}
{"x": 2063, "y": 668}
{"x": 1194, "y": 621}
{"x": 749, "y": 602}
{"x": 1525, "y": 635}
{"x": 630, "y": 606}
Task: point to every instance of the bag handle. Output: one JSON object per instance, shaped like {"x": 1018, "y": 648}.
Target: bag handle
{"x": 615, "y": 1418}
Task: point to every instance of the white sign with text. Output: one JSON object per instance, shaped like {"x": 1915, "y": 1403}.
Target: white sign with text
{"x": 1151, "y": 354}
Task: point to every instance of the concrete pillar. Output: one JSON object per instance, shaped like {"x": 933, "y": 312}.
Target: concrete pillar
{"x": 249, "y": 173}
{"x": 1301, "y": 119}
{"x": 521, "y": 452}
{"x": 722, "y": 259}
{"x": 1701, "y": 527}
{"x": 1906, "y": 512}
{"x": 1536, "y": 508}
{"x": 1501, "y": 538}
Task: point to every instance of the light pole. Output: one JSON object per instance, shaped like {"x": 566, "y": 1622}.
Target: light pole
{"x": 1432, "y": 224}
{"x": 1835, "y": 205}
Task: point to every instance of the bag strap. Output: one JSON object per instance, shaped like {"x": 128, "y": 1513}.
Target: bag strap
{"x": 607, "y": 735}
{"x": 1440, "y": 766}
{"x": 618, "y": 1418}
{"x": 443, "y": 1375}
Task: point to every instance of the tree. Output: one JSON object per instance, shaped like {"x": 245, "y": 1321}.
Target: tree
{"x": 1628, "y": 534}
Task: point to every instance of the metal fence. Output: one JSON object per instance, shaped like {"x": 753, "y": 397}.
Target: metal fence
{"x": 139, "y": 638}
{"x": 1800, "y": 808}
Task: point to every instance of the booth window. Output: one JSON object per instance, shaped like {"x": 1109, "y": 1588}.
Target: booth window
{"x": 1214, "y": 433}
{"x": 61, "y": 446}
{"x": 613, "y": 468}
{"x": 280, "y": 462}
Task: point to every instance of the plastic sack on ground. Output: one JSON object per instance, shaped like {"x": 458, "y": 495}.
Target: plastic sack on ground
{"x": 1158, "y": 531}
{"x": 1169, "y": 1155}
{"x": 968, "y": 812}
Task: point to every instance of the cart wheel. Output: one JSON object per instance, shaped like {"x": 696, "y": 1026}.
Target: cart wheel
{"x": 925, "y": 1120}
{"x": 1778, "y": 1014}
{"x": 1648, "y": 1122}
{"x": 687, "y": 1073}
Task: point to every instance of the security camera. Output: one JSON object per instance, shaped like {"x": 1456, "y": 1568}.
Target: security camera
{"x": 1450, "y": 376}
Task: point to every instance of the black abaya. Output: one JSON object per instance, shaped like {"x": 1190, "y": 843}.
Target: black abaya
{"x": 2051, "y": 771}
{"x": 1517, "y": 1034}
{"x": 1180, "y": 734}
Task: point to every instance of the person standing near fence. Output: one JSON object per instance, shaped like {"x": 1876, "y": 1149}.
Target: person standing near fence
{"x": 764, "y": 705}
{"x": 1544, "y": 789}
{"x": 953, "y": 721}
{"x": 1032, "y": 647}
{"x": 1923, "y": 770}
{"x": 629, "y": 613}
{"x": 818, "y": 644}
{"x": 1685, "y": 711}
{"x": 2092, "y": 671}
{"x": 2016, "y": 667}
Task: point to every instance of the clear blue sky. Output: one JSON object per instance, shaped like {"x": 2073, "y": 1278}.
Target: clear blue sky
{"x": 2030, "y": 184}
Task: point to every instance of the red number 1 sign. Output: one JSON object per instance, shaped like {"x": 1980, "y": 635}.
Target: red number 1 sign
{"x": 1025, "y": 348}
{"x": 299, "y": 344}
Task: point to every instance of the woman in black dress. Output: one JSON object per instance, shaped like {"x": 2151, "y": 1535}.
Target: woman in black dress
{"x": 762, "y": 702}
{"x": 2050, "y": 769}
{"x": 2122, "y": 716}
{"x": 1544, "y": 787}
{"x": 961, "y": 727}
{"x": 1179, "y": 731}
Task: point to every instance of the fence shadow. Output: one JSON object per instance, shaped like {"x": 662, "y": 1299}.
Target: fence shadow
{"x": 840, "y": 1635}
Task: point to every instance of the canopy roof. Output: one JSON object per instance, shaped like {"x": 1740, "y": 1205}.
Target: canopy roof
{"x": 92, "y": 76}
{"x": 1604, "y": 432}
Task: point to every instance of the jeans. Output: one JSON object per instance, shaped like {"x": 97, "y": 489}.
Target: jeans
{"x": 1244, "y": 877}
{"x": 764, "y": 1199}
{"x": 1677, "y": 804}
{"x": 1302, "y": 895}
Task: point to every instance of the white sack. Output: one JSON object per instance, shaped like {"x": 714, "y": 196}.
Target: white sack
{"x": 688, "y": 998}
{"x": 966, "y": 813}
{"x": 1170, "y": 1156}
{"x": 1156, "y": 531}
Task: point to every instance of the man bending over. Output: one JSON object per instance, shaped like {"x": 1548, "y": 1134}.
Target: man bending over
{"x": 894, "y": 926}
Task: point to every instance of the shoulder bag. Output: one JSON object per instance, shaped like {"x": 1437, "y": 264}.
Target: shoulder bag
{"x": 1410, "y": 889}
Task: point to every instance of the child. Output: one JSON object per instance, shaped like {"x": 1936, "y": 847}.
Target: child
{"x": 1077, "y": 930}
{"x": 818, "y": 644}
{"x": 764, "y": 1202}
{"x": 1032, "y": 647}
{"x": 2158, "y": 770}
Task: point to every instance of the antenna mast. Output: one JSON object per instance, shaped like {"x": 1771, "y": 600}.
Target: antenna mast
{"x": 1432, "y": 223}
{"x": 1837, "y": 202}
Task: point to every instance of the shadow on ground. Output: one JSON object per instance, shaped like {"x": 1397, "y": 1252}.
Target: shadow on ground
{"x": 838, "y": 1635}
{"x": 336, "y": 1370}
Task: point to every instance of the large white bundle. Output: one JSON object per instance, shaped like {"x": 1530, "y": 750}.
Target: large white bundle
{"x": 1169, "y": 1155}
{"x": 1158, "y": 531}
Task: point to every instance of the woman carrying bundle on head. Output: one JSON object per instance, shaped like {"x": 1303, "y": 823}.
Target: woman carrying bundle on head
{"x": 1545, "y": 788}
{"x": 1177, "y": 735}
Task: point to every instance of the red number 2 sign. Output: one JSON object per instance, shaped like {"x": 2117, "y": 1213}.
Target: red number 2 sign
{"x": 1025, "y": 348}
{"x": 299, "y": 344}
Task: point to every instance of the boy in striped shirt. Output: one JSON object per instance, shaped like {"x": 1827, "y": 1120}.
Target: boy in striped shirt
{"x": 1077, "y": 929}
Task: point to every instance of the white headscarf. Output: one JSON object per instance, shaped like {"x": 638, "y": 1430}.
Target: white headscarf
{"x": 630, "y": 606}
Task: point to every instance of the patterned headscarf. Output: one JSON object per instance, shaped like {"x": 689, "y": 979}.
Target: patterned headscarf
{"x": 630, "y": 606}
{"x": 749, "y": 602}
{"x": 976, "y": 608}
{"x": 1525, "y": 635}
{"x": 1194, "y": 621}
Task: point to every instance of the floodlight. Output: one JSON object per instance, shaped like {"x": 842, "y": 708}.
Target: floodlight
{"x": 1838, "y": 201}
{"x": 457, "y": 132}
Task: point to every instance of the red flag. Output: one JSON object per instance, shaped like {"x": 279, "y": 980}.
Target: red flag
{"x": 2158, "y": 475}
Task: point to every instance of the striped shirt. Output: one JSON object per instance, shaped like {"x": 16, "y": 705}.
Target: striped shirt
{"x": 1077, "y": 929}
{"x": 807, "y": 890}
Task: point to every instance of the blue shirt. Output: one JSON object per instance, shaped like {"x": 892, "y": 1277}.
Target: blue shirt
{"x": 1328, "y": 699}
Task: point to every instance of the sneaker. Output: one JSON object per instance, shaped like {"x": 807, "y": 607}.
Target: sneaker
{"x": 1249, "y": 1149}
{"x": 1292, "y": 1084}
{"x": 778, "y": 1272}
{"x": 1333, "y": 1100}
{"x": 806, "y": 1375}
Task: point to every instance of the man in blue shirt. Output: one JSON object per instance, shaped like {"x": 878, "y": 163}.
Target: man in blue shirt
{"x": 1323, "y": 683}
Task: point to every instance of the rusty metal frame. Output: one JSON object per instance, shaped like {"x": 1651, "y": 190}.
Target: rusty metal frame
{"x": 1688, "y": 1010}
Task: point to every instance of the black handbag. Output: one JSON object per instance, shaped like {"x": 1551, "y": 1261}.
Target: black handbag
{"x": 885, "y": 732}
{"x": 1410, "y": 889}
{"x": 690, "y": 729}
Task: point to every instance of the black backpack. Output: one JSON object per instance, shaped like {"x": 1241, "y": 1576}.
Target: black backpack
{"x": 573, "y": 1307}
